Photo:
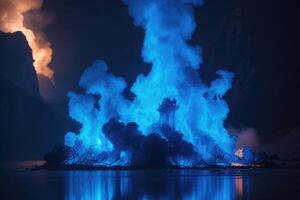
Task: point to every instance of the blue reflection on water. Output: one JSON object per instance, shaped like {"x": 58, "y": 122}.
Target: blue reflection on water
{"x": 181, "y": 184}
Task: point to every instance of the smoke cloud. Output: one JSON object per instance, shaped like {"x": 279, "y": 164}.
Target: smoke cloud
{"x": 161, "y": 150}
{"x": 174, "y": 74}
{"x": 12, "y": 19}
{"x": 168, "y": 26}
{"x": 246, "y": 137}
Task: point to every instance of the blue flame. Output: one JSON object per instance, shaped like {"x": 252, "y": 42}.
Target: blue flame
{"x": 168, "y": 25}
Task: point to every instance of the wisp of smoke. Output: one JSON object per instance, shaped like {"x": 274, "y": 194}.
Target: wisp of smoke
{"x": 168, "y": 25}
{"x": 245, "y": 137}
{"x": 12, "y": 20}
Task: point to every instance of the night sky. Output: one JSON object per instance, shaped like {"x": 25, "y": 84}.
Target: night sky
{"x": 257, "y": 40}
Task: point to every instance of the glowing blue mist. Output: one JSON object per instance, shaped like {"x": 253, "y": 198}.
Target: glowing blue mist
{"x": 168, "y": 25}
{"x": 102, "y": 101}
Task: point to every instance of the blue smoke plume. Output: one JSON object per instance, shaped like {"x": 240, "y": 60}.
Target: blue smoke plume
{"x": 201, "y": 112}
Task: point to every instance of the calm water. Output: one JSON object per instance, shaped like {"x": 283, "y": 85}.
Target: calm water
{"x": 160, "y": 184}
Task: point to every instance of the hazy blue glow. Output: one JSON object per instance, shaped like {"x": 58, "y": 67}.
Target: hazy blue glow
{"x": 85, "y": 108}
{"x": 168, "y": 25}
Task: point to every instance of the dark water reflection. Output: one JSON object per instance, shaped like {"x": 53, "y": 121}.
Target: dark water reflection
{"x": 153, "y": 185}
{"x": 147, "y": 184}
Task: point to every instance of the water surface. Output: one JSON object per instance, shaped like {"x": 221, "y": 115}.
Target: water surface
{"x": 151, "y": 184}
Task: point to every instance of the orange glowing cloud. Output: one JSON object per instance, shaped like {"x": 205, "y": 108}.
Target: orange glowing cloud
{"x": 12, "y": 20}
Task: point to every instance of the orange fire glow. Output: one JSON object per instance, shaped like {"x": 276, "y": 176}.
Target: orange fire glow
{"x": 236, "y": 164}
{"x": 12, "y": 20}
{"x": 239, "y": 153}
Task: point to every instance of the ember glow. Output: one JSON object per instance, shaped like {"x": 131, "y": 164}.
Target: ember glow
{"x": 174, "y": 119}
{"x": 12, "y": 20}
{"x": 239, "y": 153}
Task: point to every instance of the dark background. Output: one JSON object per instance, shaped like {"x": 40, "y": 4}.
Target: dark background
{"x": 257, "y": 40}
